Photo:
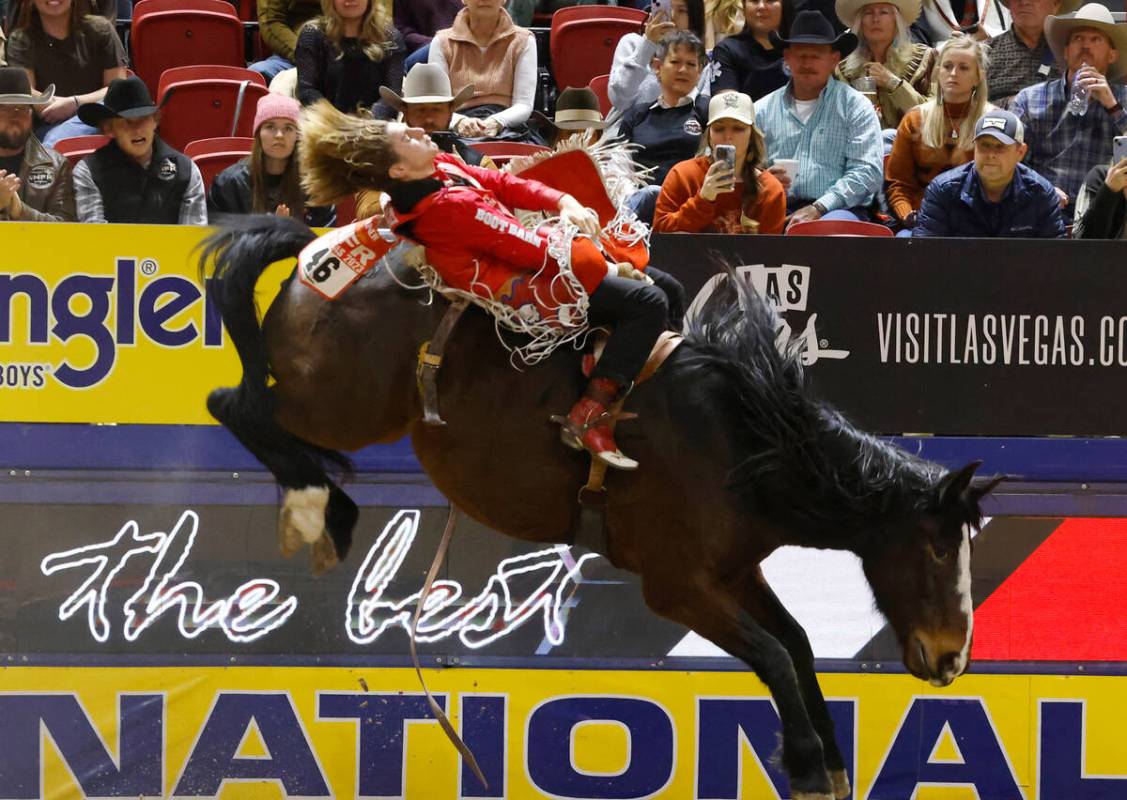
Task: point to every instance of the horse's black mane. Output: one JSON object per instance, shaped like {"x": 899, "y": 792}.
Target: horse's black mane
{"x": 801, "y": 463}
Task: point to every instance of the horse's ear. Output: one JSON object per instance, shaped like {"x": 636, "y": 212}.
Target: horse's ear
{"x": 979, "y": 490}
{"x": 955, "y": 484}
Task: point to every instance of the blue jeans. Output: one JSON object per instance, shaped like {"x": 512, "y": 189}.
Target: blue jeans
{"x": 644, "y": 202}
{"x": 270, "y": 67}
{"x": 845, "y": 213}
{"x": 66, "y": 129}
{"x": 420, "y": 56}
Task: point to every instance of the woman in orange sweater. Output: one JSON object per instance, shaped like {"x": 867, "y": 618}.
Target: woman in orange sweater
{"x": 704, "y": 196}
{"x": 938, "y": 135}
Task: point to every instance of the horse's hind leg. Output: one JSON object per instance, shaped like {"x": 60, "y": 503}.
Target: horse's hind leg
{"x": 319, "y": 514}
{"x": 780, "y": 624}
{"x": 314, "y": 509}
{"x": 721, "y": 619}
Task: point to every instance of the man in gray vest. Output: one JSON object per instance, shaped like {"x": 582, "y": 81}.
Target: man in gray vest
{"x": 135, "y": 178}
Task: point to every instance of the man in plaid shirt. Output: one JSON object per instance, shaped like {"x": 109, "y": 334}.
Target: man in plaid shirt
{"x": 1064, "y": 146}
{"x": 1021, "y": 57}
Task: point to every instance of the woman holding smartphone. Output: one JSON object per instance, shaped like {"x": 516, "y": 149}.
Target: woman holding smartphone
{"x": 729, "y": 192}
{"x": 632, "y": 77}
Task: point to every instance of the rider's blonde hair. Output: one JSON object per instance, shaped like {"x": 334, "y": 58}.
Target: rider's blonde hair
{"x": 342, "y": 154}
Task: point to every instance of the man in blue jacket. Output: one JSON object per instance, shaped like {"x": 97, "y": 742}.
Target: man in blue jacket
{"x": 995, "y": 195}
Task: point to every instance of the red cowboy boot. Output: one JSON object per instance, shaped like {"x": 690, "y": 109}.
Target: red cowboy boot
{"x": 587, "y": 427}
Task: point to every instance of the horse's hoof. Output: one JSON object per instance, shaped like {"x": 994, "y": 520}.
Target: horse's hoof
{"x": 323, "y": 556}
{"x": 289, "y": 537}
{"x": 839, "y": 779}
{"x": 303, "y": 510}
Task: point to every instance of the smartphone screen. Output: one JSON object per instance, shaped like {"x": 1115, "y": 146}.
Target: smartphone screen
{"x": 1119, "y": 149}
{"x": 727, "y": 154}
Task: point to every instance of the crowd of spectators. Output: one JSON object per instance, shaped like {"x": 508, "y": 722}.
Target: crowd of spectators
{"x": 933, "y": 117}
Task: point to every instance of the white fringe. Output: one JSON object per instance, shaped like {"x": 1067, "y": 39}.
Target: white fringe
{"x": 568, "y": 301}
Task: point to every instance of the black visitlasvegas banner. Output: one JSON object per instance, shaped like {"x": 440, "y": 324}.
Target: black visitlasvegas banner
{"x": 953, "y": 337}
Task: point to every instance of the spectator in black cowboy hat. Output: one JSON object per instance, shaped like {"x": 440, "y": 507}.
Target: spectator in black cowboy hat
{"x": 35, "y": 182}
{"x": 823, "y": 136}
{"x": 577, "y": 112}
{"x": 429, "y": 103}
{"x": 136, "y": 178}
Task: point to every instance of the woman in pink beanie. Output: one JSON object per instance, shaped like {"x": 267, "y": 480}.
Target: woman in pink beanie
{"x": 267, "y": 181}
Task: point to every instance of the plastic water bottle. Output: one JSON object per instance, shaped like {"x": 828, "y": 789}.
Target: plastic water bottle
{"x": 1081, "y": 94}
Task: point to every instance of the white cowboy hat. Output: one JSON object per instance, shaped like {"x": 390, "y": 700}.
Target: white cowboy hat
{"x": 426, "y": 83}
{"x": 847, "y": 10}
{"x": 1092, "y": 15}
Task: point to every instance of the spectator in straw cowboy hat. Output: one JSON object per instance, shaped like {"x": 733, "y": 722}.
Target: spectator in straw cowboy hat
{"x": 886, "y": 53}
{"x": 577, "y": 112}
{"x": 429, "y": 103}
{"x": 1021, "y": 56}
{"x": 1064, "y": 146}
{"x": 35, "y": 182}
{"x": 136, "y": 177}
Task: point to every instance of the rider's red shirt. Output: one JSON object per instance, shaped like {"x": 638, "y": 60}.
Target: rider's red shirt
{"x": 475, "y": 242}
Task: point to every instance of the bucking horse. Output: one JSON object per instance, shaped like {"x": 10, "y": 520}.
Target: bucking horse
{"x": 738, "y": 457}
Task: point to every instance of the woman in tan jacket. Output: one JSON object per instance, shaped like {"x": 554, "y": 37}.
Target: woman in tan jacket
{"x": 900, "y": 68}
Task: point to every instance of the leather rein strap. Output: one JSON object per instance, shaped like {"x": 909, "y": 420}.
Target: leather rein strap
{"x": 435, "y": 708}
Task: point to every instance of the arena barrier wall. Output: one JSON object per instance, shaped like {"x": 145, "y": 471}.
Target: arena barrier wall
{"x": 153, "y": 643}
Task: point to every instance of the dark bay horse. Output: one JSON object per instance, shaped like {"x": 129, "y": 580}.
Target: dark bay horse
{"x": 737, "y": 459}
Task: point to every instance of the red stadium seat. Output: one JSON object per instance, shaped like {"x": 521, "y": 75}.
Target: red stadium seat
{"x": 208, "y": 109}
{"x": 248, "y": 10}
{"x": 144, "y": 7}
{"x": 213, "y": 156}
{"x": 502, "y": 152}
{"x": 582, "y": 41}
{"x": 77, "y": 148}
{"x": 599, "y": 85}
{"x": 569, "y": 13}
{"x": 189, "y": 32}
{"x": 205, "y": 72}
{"x": 838, "y": 227}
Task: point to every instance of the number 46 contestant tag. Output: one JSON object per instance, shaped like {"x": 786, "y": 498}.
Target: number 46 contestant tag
{"x": 333, "y": 262}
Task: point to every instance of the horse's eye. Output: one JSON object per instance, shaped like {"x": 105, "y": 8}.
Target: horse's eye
{"x": 940, "y": 552}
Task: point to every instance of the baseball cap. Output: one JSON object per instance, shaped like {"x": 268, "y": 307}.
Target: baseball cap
{"x": 1002, "y": 125}
{"x": 731, "y": 105}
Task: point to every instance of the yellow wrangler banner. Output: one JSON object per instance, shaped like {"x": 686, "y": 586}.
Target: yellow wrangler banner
{"x": 244, "y": 733}
{"x": 109, "y": 323}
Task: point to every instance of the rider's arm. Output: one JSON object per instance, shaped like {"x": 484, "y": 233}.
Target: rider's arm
{"x": 517, "y": 192}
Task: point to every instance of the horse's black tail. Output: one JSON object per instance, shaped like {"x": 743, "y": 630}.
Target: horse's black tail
{"x": 239, "y": 253}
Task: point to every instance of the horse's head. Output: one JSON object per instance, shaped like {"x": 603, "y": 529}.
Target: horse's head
{"x": 919, "y": 570}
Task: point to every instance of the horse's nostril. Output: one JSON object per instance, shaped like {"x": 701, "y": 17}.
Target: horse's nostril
{"x": 949, "y": 662}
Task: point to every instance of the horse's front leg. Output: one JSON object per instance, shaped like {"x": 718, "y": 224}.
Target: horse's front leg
{"x": 767, "y": 608}
{"x": 722, "y": 619}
